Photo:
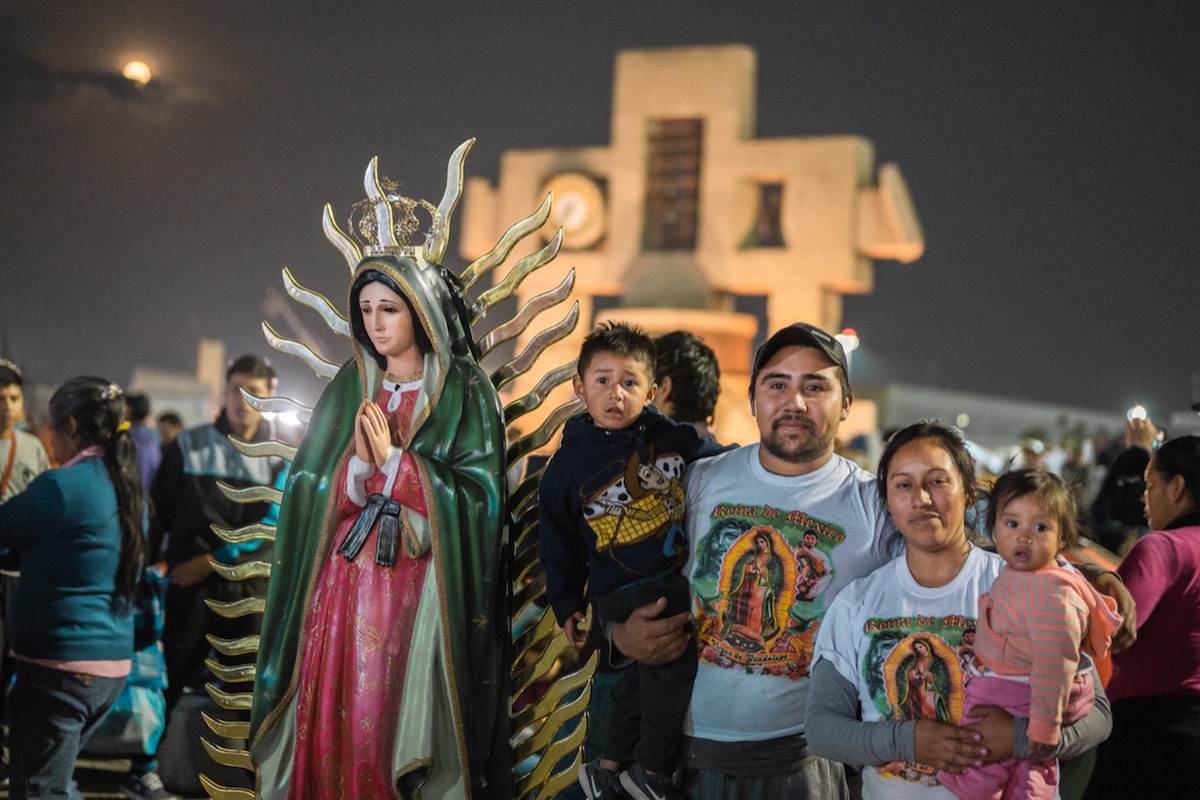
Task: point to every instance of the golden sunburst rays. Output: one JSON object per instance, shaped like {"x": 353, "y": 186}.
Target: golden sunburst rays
{"x": 553, "y": 728}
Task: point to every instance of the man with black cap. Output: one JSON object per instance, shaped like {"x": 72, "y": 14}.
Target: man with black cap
{"x": 748, "y": 511}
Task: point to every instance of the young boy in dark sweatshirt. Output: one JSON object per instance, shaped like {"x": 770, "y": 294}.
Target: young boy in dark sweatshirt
{"x": 612, "y": 503}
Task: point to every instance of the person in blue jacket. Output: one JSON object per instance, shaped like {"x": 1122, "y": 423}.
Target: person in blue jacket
{"x": 77, "y": 531}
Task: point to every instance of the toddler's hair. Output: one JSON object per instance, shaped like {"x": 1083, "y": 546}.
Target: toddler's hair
{"x": 1047, "y": 487}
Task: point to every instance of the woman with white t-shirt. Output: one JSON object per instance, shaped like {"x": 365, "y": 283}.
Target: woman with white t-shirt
{"x": 920, "y": 607}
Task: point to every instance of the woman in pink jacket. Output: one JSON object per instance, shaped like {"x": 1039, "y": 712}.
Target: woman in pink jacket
{"x": 1155, "y": 690}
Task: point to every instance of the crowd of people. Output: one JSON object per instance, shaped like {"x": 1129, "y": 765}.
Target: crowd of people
{"x": 86, "y": 532}
{"x": 774, "y": 619}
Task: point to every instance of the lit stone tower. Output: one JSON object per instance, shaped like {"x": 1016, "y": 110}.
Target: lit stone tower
{"x": 686, "y": 220}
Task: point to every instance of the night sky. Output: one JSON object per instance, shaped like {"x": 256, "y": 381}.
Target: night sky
{"x": 1053, "y": 156}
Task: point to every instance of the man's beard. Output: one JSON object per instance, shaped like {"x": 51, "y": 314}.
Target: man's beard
{"x": 801, "y": 450}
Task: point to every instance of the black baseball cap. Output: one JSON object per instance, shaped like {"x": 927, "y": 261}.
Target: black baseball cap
{"x": 801, "y": 333}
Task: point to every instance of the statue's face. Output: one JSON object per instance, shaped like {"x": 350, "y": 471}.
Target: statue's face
{"x": 387, "y": 320}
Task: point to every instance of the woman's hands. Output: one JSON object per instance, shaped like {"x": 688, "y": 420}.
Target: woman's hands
{"x": 995, "y": 725}
{"x": 948, "y": 747}
{"x": 372, "y": 439}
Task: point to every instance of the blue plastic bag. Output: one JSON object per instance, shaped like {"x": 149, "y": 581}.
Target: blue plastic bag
{"x": 133, "y": 726}
{"x": 136, "y": 722}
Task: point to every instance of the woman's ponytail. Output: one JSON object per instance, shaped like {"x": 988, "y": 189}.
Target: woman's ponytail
{"x": 98, "y": 407}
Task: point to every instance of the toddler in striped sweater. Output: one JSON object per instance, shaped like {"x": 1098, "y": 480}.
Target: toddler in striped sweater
{"x": 1034, "y": 622}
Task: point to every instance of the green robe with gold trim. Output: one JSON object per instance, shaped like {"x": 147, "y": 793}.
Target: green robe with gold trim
{"x": 458, "y": 445}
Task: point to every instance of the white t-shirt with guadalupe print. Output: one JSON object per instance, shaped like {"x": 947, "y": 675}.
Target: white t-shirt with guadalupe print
{"x": 767, "y": 555}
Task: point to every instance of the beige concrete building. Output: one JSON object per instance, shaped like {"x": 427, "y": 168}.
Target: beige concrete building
{"x": 686, "y": 212}
{"x": 195, "y": 397}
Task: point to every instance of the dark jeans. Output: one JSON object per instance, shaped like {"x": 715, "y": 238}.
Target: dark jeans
{"x": 52, "y": 712}
{"x": 649, "y": 703}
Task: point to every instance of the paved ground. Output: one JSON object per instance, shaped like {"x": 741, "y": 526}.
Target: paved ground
{"x": 98, "y": 780}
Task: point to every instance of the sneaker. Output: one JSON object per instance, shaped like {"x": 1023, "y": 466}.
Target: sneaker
{"x": 145, "y": 787}
{"x": 643, "y": 786}
{"x": 599, "y": 783}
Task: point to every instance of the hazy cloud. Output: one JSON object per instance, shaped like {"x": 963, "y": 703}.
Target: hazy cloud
{"x": 28, "y": 80}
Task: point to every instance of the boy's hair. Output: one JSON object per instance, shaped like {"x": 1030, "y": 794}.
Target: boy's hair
{"x": 251, "y": 365}
{"x": 620, "y": 338}
{"x": 171, "y": 418}
{"x": 138, "y": 405}
{"x": 695, "y": 376}
{"x": 10, "y": 374}
{"x": 1047, "y": 487}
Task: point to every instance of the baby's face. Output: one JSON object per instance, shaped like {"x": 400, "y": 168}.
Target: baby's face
{"x": 615, "y": 389}
{"x": 1027, "y": 535}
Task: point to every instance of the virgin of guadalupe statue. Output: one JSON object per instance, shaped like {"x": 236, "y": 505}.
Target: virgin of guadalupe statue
{"x": 383, "y": 665}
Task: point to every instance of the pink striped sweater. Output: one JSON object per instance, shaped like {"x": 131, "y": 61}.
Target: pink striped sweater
{"x": 1035, "y": 623}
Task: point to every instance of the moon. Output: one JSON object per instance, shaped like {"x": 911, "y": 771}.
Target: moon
{"x": 137, "y": 71}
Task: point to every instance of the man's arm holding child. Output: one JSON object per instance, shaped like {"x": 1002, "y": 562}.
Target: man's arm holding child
{"x": 649, "y": 640}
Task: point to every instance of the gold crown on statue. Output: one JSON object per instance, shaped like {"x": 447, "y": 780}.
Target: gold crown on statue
{"x": 385, "y": 223}
{"x": 365, "y": 221}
